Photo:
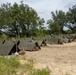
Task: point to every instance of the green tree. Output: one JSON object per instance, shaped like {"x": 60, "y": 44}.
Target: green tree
{"x": 57, "y": 23}
{"x": 71, "y": 19}
{"x": 55, "y": 28}
{"x": 41, "y": 26}
{"x": 5, "y": 16}
{"x": 20, "y": 18}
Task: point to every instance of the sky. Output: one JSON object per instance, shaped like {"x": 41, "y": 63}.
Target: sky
{"x": 45, "y": 7}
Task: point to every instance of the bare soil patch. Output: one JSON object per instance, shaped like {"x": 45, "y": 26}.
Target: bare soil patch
{"x": 61, "y": 59}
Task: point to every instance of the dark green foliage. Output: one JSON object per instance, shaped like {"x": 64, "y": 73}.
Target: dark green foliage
{"x": 71, "y": 18}
{"x": 69, "y": 31}
{"x": 57, "y": 22}
{"x": 61, "y": 19}
{"x": 19, "y": 19}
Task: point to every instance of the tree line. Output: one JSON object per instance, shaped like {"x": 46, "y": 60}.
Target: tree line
{"x": 62, "y": 19}
{"x": 22, "y": 20}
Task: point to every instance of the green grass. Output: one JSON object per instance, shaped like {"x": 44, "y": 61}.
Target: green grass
{"x": 45, "y": 71}
{"x": 8, "y": 66}
{"x": 11, "y": 66}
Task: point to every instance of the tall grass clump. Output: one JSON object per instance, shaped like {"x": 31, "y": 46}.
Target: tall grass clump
{"x": 14, "y": 62}
{"x": 44, "y": 71}
{"x": 8, "y": 66}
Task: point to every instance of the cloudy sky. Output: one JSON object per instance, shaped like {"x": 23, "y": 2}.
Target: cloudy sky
{"x": 44, "y": 7}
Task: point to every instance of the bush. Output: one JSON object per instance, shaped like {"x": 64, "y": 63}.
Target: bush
{"x": 68, "y": 31}
{"x": 45, "y": 71}
{"x": 3, "y": 36}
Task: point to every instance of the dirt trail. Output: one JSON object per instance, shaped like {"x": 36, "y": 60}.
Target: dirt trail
{"x": 61, "y": 59}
